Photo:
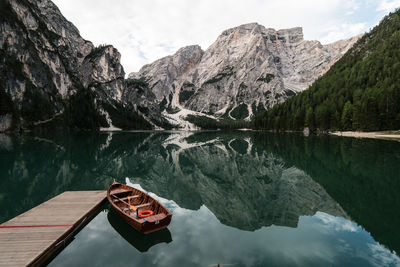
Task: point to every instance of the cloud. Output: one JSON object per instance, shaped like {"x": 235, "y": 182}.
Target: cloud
{"x": 381, "y": 256}
{"x": 344, "y": 30}
{"x": 145, "y": 30}
{"x": 388, "y": 5}
{"x": 336, "y": 223}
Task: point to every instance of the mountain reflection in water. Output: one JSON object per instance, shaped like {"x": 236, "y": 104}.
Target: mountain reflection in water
{"x": 199, "y": 239}
{"x": 250, "y": 185}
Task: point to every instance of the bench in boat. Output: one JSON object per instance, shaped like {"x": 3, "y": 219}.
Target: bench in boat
{"x": 126, "y": 198}
{"x": 137, "y": 206}
{"x": 153, "y": 218}
{"x": 120, "y": 191}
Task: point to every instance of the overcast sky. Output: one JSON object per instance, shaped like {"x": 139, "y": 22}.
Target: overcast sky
{"x": 145, "y": 30}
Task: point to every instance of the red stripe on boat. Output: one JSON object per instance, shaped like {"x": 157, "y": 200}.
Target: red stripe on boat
{"x": 31, "y": 226}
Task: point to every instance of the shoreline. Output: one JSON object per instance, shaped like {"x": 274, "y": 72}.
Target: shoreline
{"x": 387, "y": 135}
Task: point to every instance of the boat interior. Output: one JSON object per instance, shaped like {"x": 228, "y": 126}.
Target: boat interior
{"x": 133, "y": 202}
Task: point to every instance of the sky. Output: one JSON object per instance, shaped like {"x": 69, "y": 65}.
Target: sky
{"x": 146, "y": 30}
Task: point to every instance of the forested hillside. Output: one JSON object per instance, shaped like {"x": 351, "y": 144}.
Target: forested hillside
{"x": 360, "y": 92}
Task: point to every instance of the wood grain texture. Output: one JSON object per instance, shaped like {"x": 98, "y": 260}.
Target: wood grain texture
{"x": 32, "y": 245}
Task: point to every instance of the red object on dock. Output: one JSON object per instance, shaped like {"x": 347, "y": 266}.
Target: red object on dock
{"x": 29, "y": 226}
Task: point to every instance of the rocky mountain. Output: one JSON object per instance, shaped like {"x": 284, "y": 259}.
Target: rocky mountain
{"x": 246, "y": 70}
{"x": 51, "y": 76}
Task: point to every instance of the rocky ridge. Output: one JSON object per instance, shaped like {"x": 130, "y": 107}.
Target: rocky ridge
{"x": 51, "y": 77}
{"x": 246, "y": 70}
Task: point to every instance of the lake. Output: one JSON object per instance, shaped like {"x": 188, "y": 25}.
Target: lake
{"x": 237, "y": 198}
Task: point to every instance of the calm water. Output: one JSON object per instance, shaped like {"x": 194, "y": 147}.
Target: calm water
{"x": 240, "y": 199}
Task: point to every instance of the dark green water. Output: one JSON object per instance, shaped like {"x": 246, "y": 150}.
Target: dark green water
{"x": 240, "y": 198}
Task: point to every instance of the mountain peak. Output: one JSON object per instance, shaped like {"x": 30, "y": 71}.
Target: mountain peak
{"x": 291, "y": 35}
{"x": 253, "y": 27}
{"x": 189, "y": 51}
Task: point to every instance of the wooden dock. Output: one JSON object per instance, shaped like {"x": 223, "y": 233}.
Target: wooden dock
{"x": 34, "y": 236}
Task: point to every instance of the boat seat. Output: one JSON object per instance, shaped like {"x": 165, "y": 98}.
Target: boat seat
{"x": 137, "y": 206}
{"x": 156, "y": 217}
{"x": 125, "y": 198}
{"x": 120, "y": 191}
{"x": 142, "y": 205}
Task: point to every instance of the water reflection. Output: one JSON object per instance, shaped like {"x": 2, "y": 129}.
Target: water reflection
{"x": 5, "y": 143}
{"x": 199, "y": 239}
{"x": 238, "y": 181}
{"x": 244, "y": 187}
{"x": 137, "y": 239}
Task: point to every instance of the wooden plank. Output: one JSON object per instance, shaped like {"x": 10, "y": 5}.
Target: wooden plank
{"x": 142, "y": 205}
{"x": 43, "y": 227}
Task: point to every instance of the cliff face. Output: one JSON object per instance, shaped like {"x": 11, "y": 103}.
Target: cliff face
{"x": 249, "y": 68}
{"x": 102, "y": 67}
{"x": 50, "y": 75}
{"x": 40, "y": 52}
{"x": 167, "y": 73}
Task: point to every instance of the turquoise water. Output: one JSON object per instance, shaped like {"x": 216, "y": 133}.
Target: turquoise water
{"x": 238, "y": 198}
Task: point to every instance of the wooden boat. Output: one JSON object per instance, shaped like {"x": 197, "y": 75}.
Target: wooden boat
{"x": 138, "y": 209}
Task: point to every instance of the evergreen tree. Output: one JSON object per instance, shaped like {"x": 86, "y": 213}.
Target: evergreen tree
{"x": 347, "y": 116}
{"x": 310, "y": 118}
